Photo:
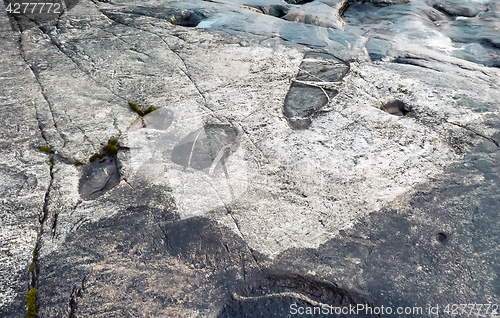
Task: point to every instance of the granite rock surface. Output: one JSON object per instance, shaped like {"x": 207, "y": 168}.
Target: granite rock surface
{"x": 279, "y": 153}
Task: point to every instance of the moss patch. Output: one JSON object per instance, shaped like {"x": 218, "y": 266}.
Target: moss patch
{"x": 110, "y": 150}
{"x": 149, "y": 110}
{"x": 78, "y": 163}
{"x": 112, "y": 147}
{"x": 35, "y": 251}
{"x": 136, "y": 109}
{"x": 45, "y": 149}
{"x": 139, "y": 111}
{"x": 31, "y": 303}
{"x": 95, "y": 156}
{"x": 32, "y": 267}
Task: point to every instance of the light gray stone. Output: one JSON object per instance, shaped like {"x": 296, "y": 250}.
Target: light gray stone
{"x": 24, "y": 173}
{"x": 273, "y": 170}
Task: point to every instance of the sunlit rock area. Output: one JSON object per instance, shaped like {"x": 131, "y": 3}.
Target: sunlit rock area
{"x": 249, "y": 158}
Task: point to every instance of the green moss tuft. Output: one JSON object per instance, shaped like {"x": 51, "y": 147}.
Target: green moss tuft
{"x": 35, "y": 251}
{"x": 136, "y": 109}
{"x": 32, "y": 267}
{"x": 139, "y": 111}
{"x": 45, "y": 149}
{"x": 78, "y": 163}
{"x": 149, "y": 110}
{"x": 112, "y": 148}
{"x": 52, "y": 161}
{"x": 96, "y": 156}
{"x": 31, "y": 303}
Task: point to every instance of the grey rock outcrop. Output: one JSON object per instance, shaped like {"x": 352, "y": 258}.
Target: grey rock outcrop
{"x": 283, "y": 162}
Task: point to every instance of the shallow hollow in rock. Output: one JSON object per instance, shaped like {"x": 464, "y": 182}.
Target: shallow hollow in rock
{"x": 186, "y": 18}
{"x": 298, "y": 1}
{"x": 275, "y": 10}
{"x": 300, "y": 123}
{"x": 396, "y": 108}
{"x": 441, "y": 237}
{"x": 98, "y": 178}
{"x": 304, "y": 100}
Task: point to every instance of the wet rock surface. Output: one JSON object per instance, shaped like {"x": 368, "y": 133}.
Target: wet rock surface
{"x": 312, "y": 88}
{"x": 98, "y": 177}
{"x": 303, "y": 100}
{"x": 321, "y": 67}
{"x": 311, "y": 160}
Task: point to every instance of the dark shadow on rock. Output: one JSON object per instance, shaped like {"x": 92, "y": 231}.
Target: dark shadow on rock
{"x": 147, "y": 255}
{"x": 442, "y": 247}
{"x": 176, "y": 16}
{"x": 278, "y": 293}
{"x": 298, "y": 1}
{"x": 396, "y": 108}
{"x": 275, "y": 10}
{"x": 143, "y": 254}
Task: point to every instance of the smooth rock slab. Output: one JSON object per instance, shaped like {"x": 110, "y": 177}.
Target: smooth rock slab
{"x": 378, "y": 48}
{"x": 127, "y": 254}
{"x": 316, "y": 13}
{"x": 24, "y": 170}
{"x": 460, "y": 7}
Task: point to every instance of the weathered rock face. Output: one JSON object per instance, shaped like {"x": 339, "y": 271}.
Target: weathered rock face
{"x": 24, "y": 173}
{"x": 285, "y": 164}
